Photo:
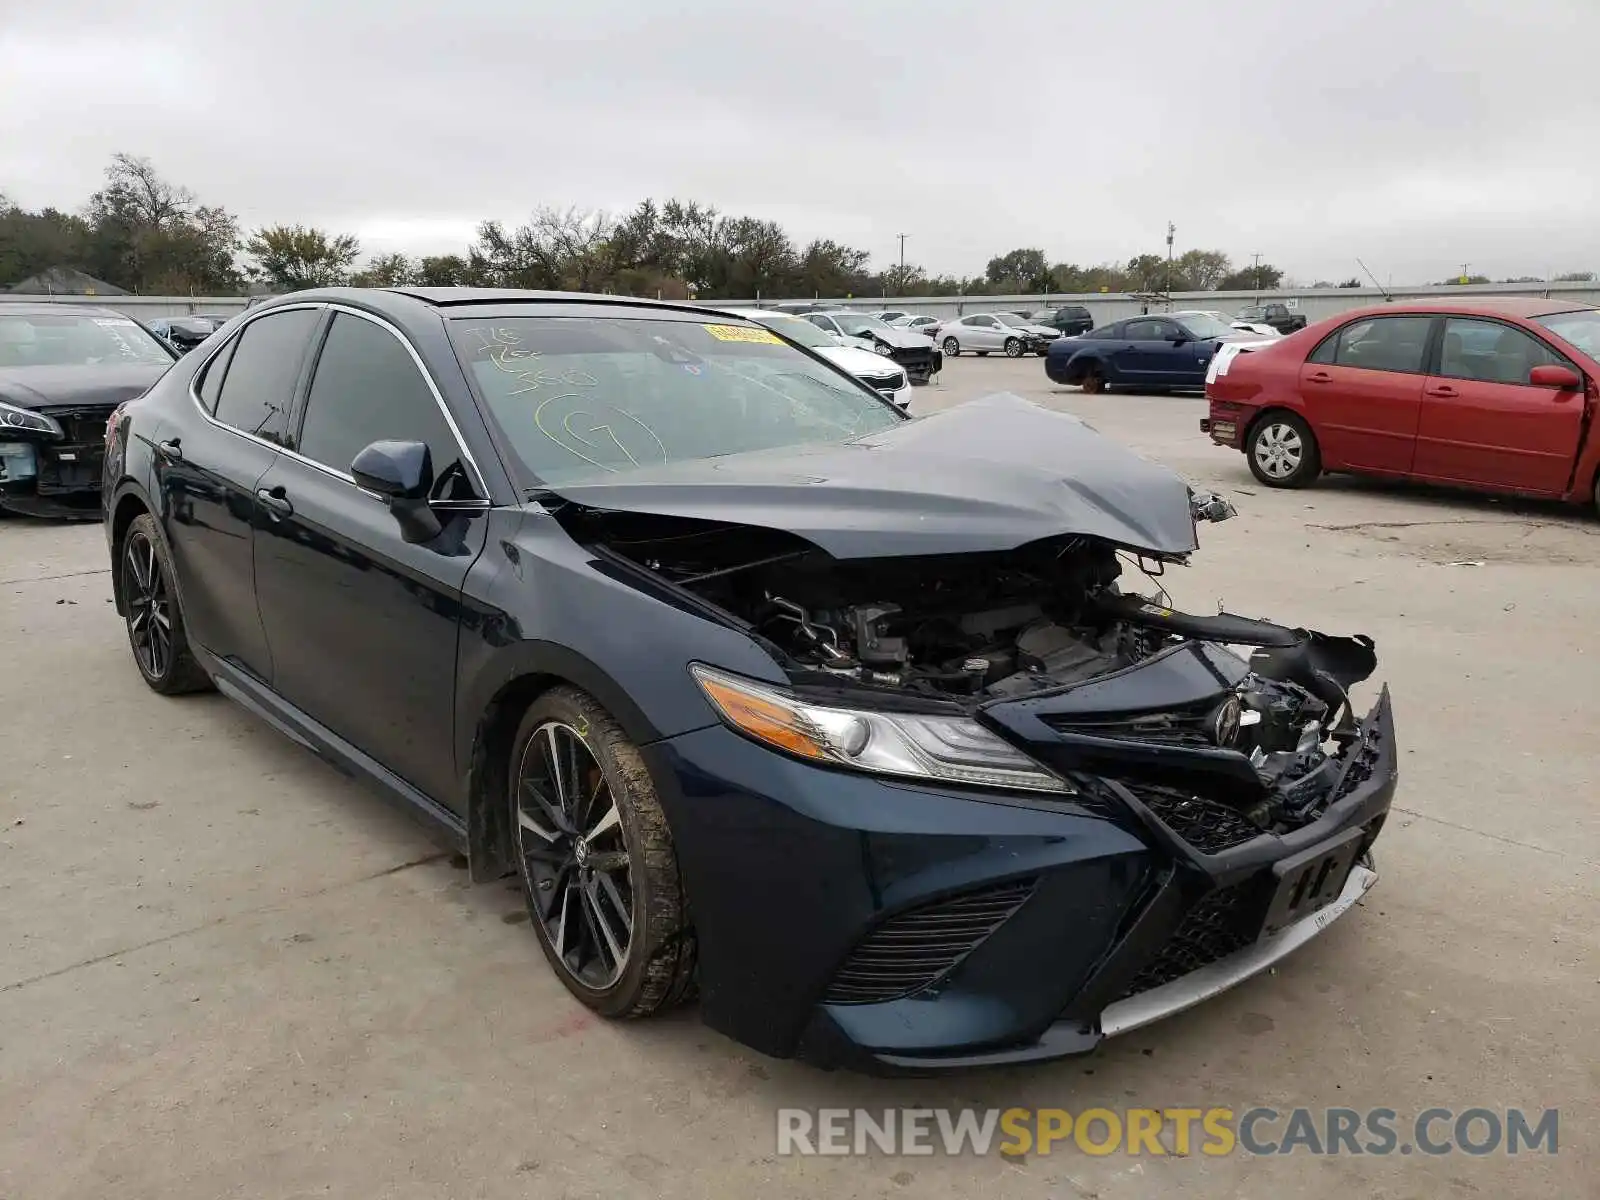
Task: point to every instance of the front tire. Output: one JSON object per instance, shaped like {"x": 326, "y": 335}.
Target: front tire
{"x": 596, "y": 860}
{"x": 1094, "y": 380}
{"x": 156, "y": 632}
{"x": 1013, "y": 348}
{"x": 952, "y": 347}
{"x": 1283, "y": 451}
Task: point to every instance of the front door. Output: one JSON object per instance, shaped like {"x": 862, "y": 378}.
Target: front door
{"x": 1484, "y": 423}
{"x": 363, "y": 625}
{"x": 207, "y": 477}
{"x": 1362, "y": 389}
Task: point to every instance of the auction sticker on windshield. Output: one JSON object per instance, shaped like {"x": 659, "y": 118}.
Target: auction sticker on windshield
{"x": 742, "y": 333}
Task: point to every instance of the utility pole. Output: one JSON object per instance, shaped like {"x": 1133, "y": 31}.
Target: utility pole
{"x": 1256, "y": 267}
{"x": 1171, "y": 229}
{"x": 902, "y": 237}
{"x": 1464, "y": 275}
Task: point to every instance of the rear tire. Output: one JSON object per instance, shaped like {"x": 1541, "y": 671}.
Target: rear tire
{"x": 1282, "y": 451}
{"x": 151, "y": 613}
{"x": 598, "y": 868}
{"x": 952, "y": 347}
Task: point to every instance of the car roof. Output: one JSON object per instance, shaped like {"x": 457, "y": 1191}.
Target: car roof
{"x": 400, "y": 302}
{"x": 1487, "y": 306}
{"x": 46, "y": 310}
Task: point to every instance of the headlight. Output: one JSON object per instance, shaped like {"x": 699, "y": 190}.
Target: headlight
{"x": 12, "y": 417}
{"x": 947, "y": 749}
{"x": 881, "y": 348}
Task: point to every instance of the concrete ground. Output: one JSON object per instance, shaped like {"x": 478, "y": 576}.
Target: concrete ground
{"x": 226, "y": 971}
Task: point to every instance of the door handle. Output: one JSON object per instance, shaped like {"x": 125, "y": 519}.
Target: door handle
{"x": 1319, "y": 377}
{"x": 276, "y": 500}
{"x": 1443, "y": 390}
{"x": 171, "y": 448}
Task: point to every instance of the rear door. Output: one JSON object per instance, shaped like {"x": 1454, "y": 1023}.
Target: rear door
{"x": 1483, "y": 423}
{"x": 207, "y": 473}
{"x": 1362, "y": 389}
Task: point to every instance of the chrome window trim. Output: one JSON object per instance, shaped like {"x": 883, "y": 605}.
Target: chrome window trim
{"x": 416, "y": 359}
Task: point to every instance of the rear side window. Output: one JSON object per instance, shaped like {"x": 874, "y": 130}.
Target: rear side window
{"x": 259, "y": 388}
{"x": 210, "y": 386}
{"x": 1377, "y": 344}
{"x": 367, "y": 388}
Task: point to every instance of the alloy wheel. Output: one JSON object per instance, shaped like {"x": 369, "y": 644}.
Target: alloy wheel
{"x": 952, "y": 347}
{"x": 149, "y": 606}
{"x": 575, "y": 854}
{"x": 1013, "y": 348}
{"x": 1279, "y": 450}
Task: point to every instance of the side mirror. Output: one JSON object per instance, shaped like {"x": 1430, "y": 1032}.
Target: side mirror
{"x": 402, "y": 474}
{"x": 1178, "y": 339}
{"x": 1554, "y": 375}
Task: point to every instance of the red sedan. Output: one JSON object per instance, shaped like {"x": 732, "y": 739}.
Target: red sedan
{"x": 1495, "y": 394}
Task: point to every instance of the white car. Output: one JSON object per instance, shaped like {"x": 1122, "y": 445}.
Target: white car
{"x": 1256, "y": 327}
{"x": 881, "y": 374}
{"x": 982, "y": 333}
{"x": 917, "y": 323}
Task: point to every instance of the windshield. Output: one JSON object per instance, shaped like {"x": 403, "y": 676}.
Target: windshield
{"x": 855, "y": 326}
{"x": 584, "y": 398}
{"x": 1251, "y": 314}
{"x": 1581, "y": 329}
{"x": 796, "y": 330}
{"x": 1204, "y": 325}
{"x": 74, "y": 340}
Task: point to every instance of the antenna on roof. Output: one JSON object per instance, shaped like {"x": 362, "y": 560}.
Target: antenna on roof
{"x": 1374, "y": 279}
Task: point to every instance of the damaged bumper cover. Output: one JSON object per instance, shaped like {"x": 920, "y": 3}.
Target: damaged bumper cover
{"x": 1046, "y": 925}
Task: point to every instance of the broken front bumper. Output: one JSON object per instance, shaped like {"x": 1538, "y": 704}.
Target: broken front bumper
{"x": 892, "y": 927}
{"x": 55, "y": 475}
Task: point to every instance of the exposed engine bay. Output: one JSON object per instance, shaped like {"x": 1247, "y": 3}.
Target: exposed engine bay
{"x": 982, "y": 629}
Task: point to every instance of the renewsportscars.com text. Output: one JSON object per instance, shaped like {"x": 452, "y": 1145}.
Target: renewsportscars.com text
{"x": 1160, "y": 1131}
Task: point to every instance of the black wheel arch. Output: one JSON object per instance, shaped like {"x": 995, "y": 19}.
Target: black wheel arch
{"x": 127, "y": 503}
{"x": 496, "y": 706}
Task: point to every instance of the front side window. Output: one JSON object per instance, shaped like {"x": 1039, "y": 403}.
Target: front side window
{"x": 1489, "y": 352}
{"x": 366, "y": 389}
{"x": 258, "y": 390}
{"x": 1378, "y": 344}
{"x": 587, "y": 398}
{"x": 76, "y": 340}
{"x": 1143, "y": 331}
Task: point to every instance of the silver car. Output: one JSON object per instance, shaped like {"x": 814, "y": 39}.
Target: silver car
{"x": 917, "y": 323}
{"x": 982, "y": 333}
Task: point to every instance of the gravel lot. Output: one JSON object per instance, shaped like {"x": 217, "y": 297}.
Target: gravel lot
{"x": 227, "y": 971}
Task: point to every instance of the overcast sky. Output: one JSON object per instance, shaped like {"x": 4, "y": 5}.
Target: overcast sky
{"x": 1416, "y": 134}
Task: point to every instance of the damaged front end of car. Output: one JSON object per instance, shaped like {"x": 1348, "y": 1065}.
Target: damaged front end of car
{"x": 1029, "y": 674}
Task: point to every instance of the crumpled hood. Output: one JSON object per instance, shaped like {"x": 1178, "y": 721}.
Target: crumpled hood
{"x": 103, "y": 384}
{"x": 896, "y": 336}
{"x": 989, "y": 475}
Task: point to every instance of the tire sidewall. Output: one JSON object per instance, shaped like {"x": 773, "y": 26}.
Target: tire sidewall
{"x": 1310, "y": 457}
{"x": 951, "y": 347}
{"x": 572, "y": 708}
{"x": 146, "y": 526}
{"x": 1013, "y": 348}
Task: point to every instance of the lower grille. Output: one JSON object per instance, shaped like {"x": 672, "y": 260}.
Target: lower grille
{"x": 918, "y": 362}
{"x": 914, "y": 949}
{"x": 1208, "y": 825}
{"x": 1221, "y": 923}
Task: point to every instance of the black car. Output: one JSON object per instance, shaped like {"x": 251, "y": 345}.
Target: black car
{"x": 63, "y": 369}
{"x": 1070, "y": 319}
{"x": 1152, "y": 352}
{"x": 754, "y": 682}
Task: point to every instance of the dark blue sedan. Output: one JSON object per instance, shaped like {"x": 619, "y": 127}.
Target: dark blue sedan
{"x": 1166, "y": 351}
